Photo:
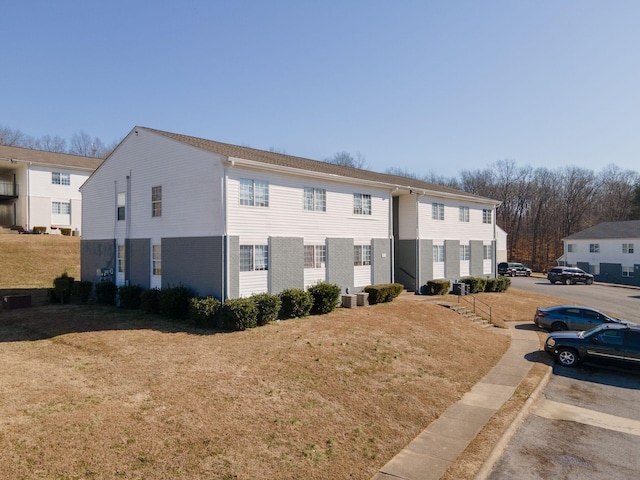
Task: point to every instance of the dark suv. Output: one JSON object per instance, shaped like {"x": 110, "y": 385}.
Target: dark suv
{"x": 512, "y": 269}
{"x": 569, "y": 275}
{"x": 612, "y": 343}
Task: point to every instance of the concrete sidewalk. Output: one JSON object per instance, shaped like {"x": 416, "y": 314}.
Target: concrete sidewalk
{"x": 431, "y": 453}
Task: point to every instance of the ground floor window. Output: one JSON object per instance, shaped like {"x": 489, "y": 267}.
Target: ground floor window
{"x": 156, "y": 254}
{"x": 254, "y": 258}
{"x": 315, "y": 256}
{"x": 361, "y": 255}
{"x": 121, "y": 259}
{"x": 627, "y": 272}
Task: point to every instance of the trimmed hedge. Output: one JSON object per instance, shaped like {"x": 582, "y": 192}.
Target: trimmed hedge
{"x": 438, "y": 287}
{"x": 268, "y": 306}
{"x": 150, "y": 300}
{"x": 130, "y": 296}
{"x": 477, "y": 284}
{"x": 81, "y": 291}
{"x": 174, "y": 302}
{"x": 326, "y": 297}
{"x": 295, "y": 303}
{"x": 39, "y": 230}
{"x": 239, "y": 314}
{"x": 384, "y": 292}
{"x": 106, "y": 292}
{"x": 66, "y": 232}
{"x": 204, "y": 311}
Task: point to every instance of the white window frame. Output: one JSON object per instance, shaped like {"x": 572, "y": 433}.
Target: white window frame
{"x": 594, "y": 248}
{"x": 627, "y": 248}
{"x": 571, "y": 248}
{"x": 156, "y": 201}
{"x": 361, "y": 255}
{"x": 463, "y": 214}
{"x": 60, "y": 178}
{"x": 487, "y": 252}
{"x": 438, "y": 254}
{"x": 464, "y": 253}
{"x": 61, "y": 208}
{"x": 122, "y": 265}
{"x": 257, "y": 255}
{"x": 437, "y": 211}
{"x": 121, "y": 205}
{"x": 254, "y": 193}
{"x": 487, "y": 215}
{"x": 314, "y": 199}
{"x": 627, "y": 272}
{"x": 156, "y": 260}
{"x": 361, "y": 204}
{"x": 315, "y": 256}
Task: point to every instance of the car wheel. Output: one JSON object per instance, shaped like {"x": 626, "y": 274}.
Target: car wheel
{"x": 567, "y": 357}
{"x": 565, "y": 280}
{"x": 589, "y": 281}
{"x": 558, "y": 326}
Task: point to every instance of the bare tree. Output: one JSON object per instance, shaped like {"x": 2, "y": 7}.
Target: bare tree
{"x": 11, "y": 137}
{"x": 51, "y": 144}
{"x": 345, "y": 159}
{"x": 82, "y": 144}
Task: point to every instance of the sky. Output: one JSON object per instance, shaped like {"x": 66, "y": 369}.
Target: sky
{"x": 428, "y": 87}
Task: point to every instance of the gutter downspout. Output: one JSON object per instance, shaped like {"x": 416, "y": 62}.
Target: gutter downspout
{"x": 418, "y": 280}
{"x": 29, "y": 197}
{"x": 225, "y": 249}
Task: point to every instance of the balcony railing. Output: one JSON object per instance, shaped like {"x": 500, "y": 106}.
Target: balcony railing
{"x": 8, "y": 190}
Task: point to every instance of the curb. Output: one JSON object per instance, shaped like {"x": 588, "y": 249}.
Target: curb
{"x": 499, "y": 448}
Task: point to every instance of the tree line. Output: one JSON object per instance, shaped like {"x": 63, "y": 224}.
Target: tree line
{"x": 540, "y": 206}
{"x": 81, "y": 143}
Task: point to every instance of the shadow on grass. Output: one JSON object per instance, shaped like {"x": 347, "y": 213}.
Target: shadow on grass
{"x": 44, "y": 320}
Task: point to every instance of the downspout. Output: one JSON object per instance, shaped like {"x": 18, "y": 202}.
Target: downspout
{"x": 225, "y": 249}
{"x": 494, "y": 263}
{"x": 418, "y": 280}
{"x": 29, "y": 197}
{"x": 391, "y": 238}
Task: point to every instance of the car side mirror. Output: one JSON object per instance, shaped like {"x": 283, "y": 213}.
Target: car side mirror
{"x": 595, "y": 340}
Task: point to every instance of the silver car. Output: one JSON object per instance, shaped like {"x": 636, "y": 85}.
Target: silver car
{"x": 571, "y": 317}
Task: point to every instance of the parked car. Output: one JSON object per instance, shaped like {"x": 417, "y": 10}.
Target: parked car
{"x": 570, "y": 275}
{"x": 570, "y": 317}
{"x": 610, "y": 343}
{"x": 512, "y": 269}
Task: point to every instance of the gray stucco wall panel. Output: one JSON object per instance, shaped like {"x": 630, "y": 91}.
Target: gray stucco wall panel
{"x": 476, "y": 254}
{"x": 94, "y": 256}
{"x": 381, "y": 260}
{"x": 452, "y": 259}
{"x": 340, "y": 262}
{"x": 195, "y": 262}
{"x": 233, "y": 275}
{"x": 426, "y": 262}
{"x": 286, "y": 263}
{"x": 138, "y": 270}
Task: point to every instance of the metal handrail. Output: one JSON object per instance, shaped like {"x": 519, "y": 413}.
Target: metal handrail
{"x": 475, "y": 307}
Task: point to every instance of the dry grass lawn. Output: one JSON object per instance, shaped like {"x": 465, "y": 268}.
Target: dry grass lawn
{"x": 93, "y": 392}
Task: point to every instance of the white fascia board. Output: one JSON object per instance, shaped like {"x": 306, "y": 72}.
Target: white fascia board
{"x": 51, "y": 165}
{"x": 394, "y": 187}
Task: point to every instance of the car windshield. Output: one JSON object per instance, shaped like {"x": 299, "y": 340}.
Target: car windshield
{"x": 592, "y": 331}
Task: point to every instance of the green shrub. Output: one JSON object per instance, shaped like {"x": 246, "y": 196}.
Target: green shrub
{"x": 384, "y": 292}
{"x": 204, "y": 311}
{"x": 65, "y": 231}
{"x": 268, "y": 306}
{"x": 174, "y": 302}
{"x": 491, "y": 285}
{"x": 62, "y": 288}
{"x": 150, "y": 300}
{"x": 325, "y": 297}
{"x": 130, "y": 296}
{"x": 106, "y": 292}
{"x": 438, "y": 287}
{"x": 81, "y": 291}
{"x": 503, "y": 284}
{"x": 239, "y": 314}
{"x": 295, "y": 303}
{"x": 39, "y": 230}
{"x": 477, "y": 284}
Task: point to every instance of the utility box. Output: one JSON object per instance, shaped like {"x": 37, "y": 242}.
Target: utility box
{"x": 461, "y": 289}
{"x": 10, "y": 302}
{"x": 348, "y": 301}
{"x": 362, "y": 299}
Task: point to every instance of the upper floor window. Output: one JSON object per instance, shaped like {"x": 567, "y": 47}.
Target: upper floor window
{"x": 437, "y": 211}
{"x": 627, "y": 248}
{"x": 254, "y": 258}
{"x": 60, "y": 178}
{"x": 487, "y": 252}
{"x": 60, "y": 208}
{"x": 156, "y": 201}
{"x": 464, "y": 252}
{"x": 438, "y": 253}
{"x": 315, "y": 256}
{"x": 361, "y": 255}
{"x": 156, "y": 259}
{"x": 254, "y": 192}
{"x": 571, "y": 247}
{"x": 487, "y": 215}
{"x": 122, "y": 202}
{"x": 362, "y": 204}
{"x": 315, "y": 199}
{"x": 594, "y": 248}
{"x": 464, "y": 214}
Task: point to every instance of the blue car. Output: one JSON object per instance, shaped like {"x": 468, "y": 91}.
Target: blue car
{"x": 571, "y": 317}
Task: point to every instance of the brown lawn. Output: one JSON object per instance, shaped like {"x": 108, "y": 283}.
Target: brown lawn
{"x": 95, "y": 392}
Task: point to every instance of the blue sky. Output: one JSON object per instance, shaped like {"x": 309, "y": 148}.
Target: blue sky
{"x": 425, "y": 86}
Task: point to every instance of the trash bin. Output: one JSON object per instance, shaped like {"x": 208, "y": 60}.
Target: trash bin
{"x": 459, "y": 289}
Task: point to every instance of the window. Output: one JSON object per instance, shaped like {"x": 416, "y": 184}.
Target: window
{"x": 571, "y": 247}
{"x": 437, "y": 211}
{"x": 594, "y": 248}
{"x": 315, "y": 199}
{"x": 438, "y": 253}
{"x": 627, "y": 248}
{"x": 361, "y": 255}
{"x": 156, "y": 201}
{"x": 487, "y": 215}
{"x": 464, "y": 252}
{"x": 156, "y": 256}
{"x": 627, "y": 272}
{"x": 60, "y": 208}
{"x": 254, "y": 258}
{"x": 594, "y": 269}
{"x": 59, "y": 178}
{"x": 315, "y": 256}
{"x": 254, "y": 193}
{"x": 122, "y": 202}
{"x": 464, "y": 214}
{"x": 487, "y": 252}
{"x": 121, "y": 259}
{"x": 361, "y": 204}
